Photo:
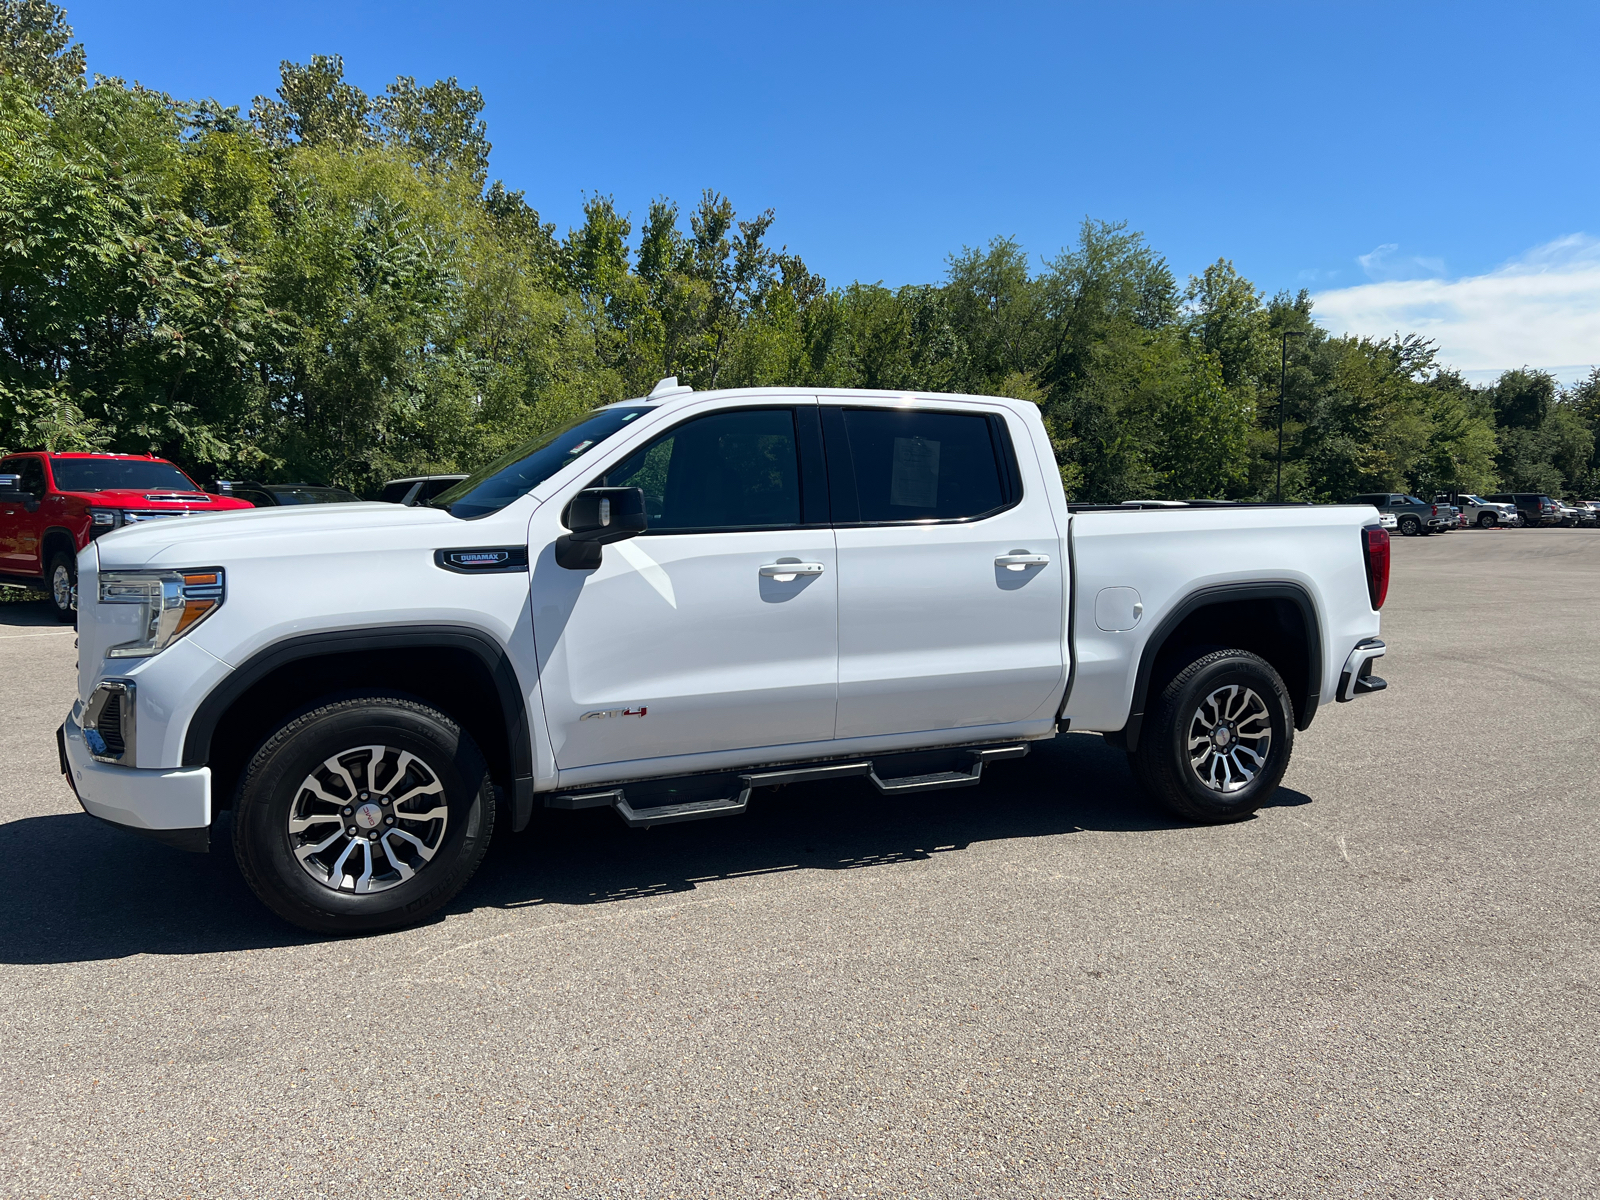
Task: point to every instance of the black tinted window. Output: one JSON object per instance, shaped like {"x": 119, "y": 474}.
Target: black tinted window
{"x": 920, "y": 466}
{"x": 731, "y": 470}
{"x": 259, "y": 499}
{"x": 32, "y": 480}
{"x": 314, "y": 495}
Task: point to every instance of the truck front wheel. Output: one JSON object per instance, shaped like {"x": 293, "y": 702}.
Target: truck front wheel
{"x": 363, "y": 815}
{"x": 1216, "y": 742}
{"x": 62, "y": 578}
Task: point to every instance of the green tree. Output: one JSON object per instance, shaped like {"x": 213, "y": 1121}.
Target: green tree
{"x": 36, "y": 51}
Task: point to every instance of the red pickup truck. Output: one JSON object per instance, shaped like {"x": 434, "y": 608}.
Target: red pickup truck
{"x": 53, "y": 505}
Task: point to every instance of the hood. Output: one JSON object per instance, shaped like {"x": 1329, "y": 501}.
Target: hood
{"x": 218, "y": 538}
{"x": 157, "y": 499}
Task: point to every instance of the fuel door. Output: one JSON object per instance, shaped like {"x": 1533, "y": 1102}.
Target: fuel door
{"x": 1117, "y": 609}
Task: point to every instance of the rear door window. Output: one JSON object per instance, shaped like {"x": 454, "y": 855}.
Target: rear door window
{"x": 888, "y": 466}
{"x": 717, "y": 473}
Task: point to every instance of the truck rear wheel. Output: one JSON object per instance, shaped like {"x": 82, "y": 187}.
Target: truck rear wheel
{"x": 1217, "y": 740}
{"x": 363, "y": 815}
{"x": 1410, "y": 526}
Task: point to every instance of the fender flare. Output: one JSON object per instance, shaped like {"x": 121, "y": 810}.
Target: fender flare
{"x": 50, "y": 533}
{"x": 203, "y": 725}
{"x": 1294, "y": 592}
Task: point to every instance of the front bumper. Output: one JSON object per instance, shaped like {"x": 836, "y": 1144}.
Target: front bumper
{"x": 172, "y": 805}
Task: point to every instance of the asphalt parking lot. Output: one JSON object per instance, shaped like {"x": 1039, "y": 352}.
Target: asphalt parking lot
{"x": 1386, "y": 984}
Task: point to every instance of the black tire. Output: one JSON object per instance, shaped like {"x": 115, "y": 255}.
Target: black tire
{"x": 1487, "y": 521}
{"x": 1410, "y": 526}
{"x": 1162, "y": 763}
{"x": 60, "y": 580}
{"x": 411, "y": 886}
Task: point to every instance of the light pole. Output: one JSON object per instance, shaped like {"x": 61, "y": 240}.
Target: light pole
{"x": 1283, "y": 378}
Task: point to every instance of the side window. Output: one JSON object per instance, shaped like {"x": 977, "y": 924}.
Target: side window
{"x": 33, "y": 477}
{"x": 259, "y": 499}
{"x": 724, "y": 471}
{"x": 922, "y": 466}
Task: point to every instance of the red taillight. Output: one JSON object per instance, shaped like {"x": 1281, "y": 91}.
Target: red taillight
{"x": 1436, "y": 510}
{"x": 1375, "y": 542}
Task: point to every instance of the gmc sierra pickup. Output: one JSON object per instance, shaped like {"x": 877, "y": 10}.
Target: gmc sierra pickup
{"x": 674, "y": 602}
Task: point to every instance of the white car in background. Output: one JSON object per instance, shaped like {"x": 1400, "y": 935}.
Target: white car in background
{"x": 1388, "y": 520}
{"x": 1485, "y": 514}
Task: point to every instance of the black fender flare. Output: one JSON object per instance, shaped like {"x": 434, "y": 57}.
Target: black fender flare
{"x": 1294, "y": 592}
{"x": 519, "y": 739}
{"x": 52, "y": 534}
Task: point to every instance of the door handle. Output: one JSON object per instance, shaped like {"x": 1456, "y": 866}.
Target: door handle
{"x": 1019, "y": 560}
{"x": 783, "y": 572}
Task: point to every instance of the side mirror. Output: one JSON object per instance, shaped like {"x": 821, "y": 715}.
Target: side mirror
{"x": 597, "y": 516}
{"x": 11, "y": 493}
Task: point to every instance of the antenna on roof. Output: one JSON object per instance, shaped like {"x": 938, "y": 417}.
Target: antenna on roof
{"x": 667, "y": 387}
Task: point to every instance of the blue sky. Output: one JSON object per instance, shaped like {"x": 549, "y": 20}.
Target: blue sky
{"x": 1432, "y": 165}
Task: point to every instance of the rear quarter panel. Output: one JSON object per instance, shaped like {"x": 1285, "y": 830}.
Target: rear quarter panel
{"x": 1168, "y": 556}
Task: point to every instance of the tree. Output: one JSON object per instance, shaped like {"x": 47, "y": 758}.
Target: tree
{"x": 36, "y": 50}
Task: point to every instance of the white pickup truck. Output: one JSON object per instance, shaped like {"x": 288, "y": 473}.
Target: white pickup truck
{"x": 673, "y": 602}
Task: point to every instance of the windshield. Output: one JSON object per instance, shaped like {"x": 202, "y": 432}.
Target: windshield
{"x": 525, "y": 468}
{"x": 117, "y": 474}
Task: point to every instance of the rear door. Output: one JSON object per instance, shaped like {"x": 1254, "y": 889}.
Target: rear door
{"x": 20, "y": 530}
{"x": 692, "y": 637}
{"x": 11, "y": 518}
{"x": 950, "y": 571}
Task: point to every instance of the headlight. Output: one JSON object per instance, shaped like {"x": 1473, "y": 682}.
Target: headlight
{"x": 174, "y": 603}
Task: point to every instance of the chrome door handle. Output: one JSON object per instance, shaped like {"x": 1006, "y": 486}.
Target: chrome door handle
{"x": 1019, "y": 561}
{"x": 783, "y": 572}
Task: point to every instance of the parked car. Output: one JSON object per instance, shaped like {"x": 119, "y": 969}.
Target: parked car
{"x": 1588, "y": 514}
{"x": 53, "y": 505}
{"x": 1535, "y": 508}
{"x": 417, "y": 489}
{"x": 674, "y": 602}
{"x": 1413, "y": 516}
{"x": 1483, "y": 513}
{"x": 1387, "y": 520}
{"x": 273, "y": 495}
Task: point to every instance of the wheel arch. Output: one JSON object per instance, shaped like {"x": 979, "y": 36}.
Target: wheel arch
{"x": 462, "y": 671}
{"x": 1277, "y": 620}
{"x": 56, "y": 537}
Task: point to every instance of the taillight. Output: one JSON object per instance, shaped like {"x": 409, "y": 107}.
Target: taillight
{"x": 1436, "y": 510}
{"x": 1375, "y": 544}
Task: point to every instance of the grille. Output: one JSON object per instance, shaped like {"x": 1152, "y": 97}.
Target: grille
{"x": 109, "y": 726}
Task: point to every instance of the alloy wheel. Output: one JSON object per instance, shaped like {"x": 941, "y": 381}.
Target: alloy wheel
{"x": 61, "y": 587}
{"x": 367, "y": 819}
{"x": 1230, "y": 736}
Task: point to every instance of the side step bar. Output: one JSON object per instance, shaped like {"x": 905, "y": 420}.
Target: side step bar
{"x": 699, "y": 810}
{"x": 940, "y": 780}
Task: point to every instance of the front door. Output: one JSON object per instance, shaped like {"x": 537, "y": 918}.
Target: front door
{"x": 693, "y": 638}
{"x": 950, "y": 578}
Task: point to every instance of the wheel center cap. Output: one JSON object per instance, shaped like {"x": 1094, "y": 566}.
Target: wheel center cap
{"x": 1222, "y": 737}
{"x": 369, "y": 816}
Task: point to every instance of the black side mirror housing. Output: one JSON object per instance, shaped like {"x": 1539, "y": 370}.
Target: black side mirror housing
{"x": 597, "y": 516}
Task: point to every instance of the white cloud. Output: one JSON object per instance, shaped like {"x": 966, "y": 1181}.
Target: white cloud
{"x": 1382, "y": 262}
{"x": 1541, "y": 309}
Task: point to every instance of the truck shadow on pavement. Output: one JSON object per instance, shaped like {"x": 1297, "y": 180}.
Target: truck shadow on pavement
{"x": 76, "y": 890}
